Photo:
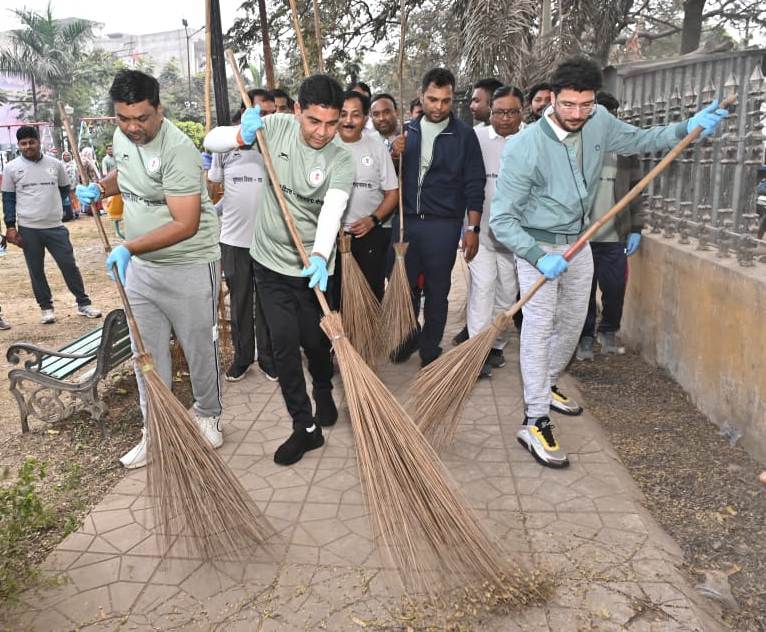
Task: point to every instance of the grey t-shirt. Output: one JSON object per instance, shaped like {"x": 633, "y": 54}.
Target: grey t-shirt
{"x": 373, "y": 174}
{"x": 36, "y": 184}
{"x": 243, "y": 174}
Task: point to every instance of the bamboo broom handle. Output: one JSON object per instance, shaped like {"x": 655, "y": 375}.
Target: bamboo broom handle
{"x": 619, "y": 206}
{"x": 275, "y": 184}
{"x": 318, "y": 35}
{"x": 208, "y": 69}
{"x": 299, "y": 38}
{"x": 401, "y": 115}
{"x": 134, "y": 332}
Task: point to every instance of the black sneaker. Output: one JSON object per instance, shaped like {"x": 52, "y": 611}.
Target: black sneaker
{"x": 486, "y": 370}
{"x": 269, "y": 372}
{"x": 461, "y": 336}
{"x": 405, "y": 351}
{"x": 326, "y": 411}
{"x": 236, "y": 373}
{"x": 426, "y": 360}
{"x": 300, "y": 442}
{"x": 496, "y": 359}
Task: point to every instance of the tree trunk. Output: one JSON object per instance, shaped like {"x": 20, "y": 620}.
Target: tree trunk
{"x": 691, "y": 30}
{"x": 268, "y": 62}
{"x": 34, "y": 98}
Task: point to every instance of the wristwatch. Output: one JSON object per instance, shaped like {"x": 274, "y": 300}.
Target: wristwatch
{"x": 375, "y": 220}
{"x": 472, "y": 229}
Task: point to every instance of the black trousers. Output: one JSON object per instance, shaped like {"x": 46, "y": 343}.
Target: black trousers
{"x": 610, "y": 266}
{"x": 370, "y": 253}
{"x": 432, "y": 250}
{"x": 55, "y": 241}
{"x": 248, "y": 326}
{"x": 292, "y": 315}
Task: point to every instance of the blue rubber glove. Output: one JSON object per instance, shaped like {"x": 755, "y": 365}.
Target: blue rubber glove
{"x": 120, "y": 257}
{"x": 634, "y": 241}
{"x": 87, "y": 194}
{"x": 708, "y": 119}
{"x": 317, "y": 270}
{"x": 207, "y": 160}
{"x": 251, "y": 122}
{"x": 552, "y": 265}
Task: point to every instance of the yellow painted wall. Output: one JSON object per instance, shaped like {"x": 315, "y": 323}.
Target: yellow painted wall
{"x": 704, "y": 319}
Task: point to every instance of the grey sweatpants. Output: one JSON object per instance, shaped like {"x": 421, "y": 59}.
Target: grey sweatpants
{"x": 184, "y": 299}
{"x": 553, "y": 320}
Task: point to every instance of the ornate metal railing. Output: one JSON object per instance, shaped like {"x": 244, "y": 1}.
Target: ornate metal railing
{"x": 709, "y": 193}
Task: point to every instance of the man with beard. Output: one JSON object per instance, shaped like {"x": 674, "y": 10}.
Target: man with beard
{"x": 316, "y": 176}
{"x": 443, "y": 179}
{"x": 384, "y": 114}
{"x": 482, "y": 93}
{"x": 374, "y": 197}
{"x": 35, "y": 187}
{"x": 538, "y": 98}
{"x": 169, "y": 262}
{"x": 545, "y": 191}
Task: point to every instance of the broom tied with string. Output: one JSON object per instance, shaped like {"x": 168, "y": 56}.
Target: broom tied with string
{"x": 398, "y": 310}
{"x": 195, "y": 493}
{"x": 423, "y": 527}
{"x": 443, "y": 387}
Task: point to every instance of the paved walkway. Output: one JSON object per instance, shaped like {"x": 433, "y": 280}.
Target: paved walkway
{"x": 615, "y": 569}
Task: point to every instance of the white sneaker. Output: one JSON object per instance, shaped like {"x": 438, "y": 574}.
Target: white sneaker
{"x": 89, "y": 311}
{"x": 210, "y": 427}
{"x": 48, "y": 317}
{"x": 137, "y": 456}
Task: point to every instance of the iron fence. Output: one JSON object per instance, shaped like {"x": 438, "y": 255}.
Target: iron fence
{"x": 709, "y": 194}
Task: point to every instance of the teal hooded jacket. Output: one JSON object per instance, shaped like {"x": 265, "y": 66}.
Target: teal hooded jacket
{"x": 544, "y": 193}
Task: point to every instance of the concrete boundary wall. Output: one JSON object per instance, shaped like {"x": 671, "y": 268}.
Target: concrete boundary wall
{"x": 703, "y": 319}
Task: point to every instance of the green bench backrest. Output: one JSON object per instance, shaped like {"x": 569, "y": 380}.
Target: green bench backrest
{"x": 88, "y": 345}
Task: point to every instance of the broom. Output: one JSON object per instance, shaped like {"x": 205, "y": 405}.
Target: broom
{"x": 196, "y": 493}
{"x": 442, "y": 388}
{"x": 398, "y": 310}
{"x": 359, "y": 307}
{"x": 425, "y": 529}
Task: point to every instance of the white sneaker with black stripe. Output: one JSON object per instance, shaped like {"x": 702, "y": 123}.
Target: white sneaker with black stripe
{"x": 210, "y": 428}
{"x": 538, "y": 439}
{"x": 563, "y": 404}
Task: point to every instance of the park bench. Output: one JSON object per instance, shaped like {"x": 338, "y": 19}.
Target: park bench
{"x": 53, "y": 384}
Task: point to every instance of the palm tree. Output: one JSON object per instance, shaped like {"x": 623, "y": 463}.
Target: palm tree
{"x": 44, "y": 51}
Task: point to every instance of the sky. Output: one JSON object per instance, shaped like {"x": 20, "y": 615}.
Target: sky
{"x": 135, "y": 17}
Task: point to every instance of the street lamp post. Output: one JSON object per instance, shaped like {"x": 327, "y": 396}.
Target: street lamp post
{"x": 188, "y": 54}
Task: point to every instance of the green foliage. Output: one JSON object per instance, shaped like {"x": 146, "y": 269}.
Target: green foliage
{"x": 194, "y": 130}
{"x": 23, "y": 516}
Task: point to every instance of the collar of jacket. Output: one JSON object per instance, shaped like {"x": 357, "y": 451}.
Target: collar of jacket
{"x": 450, "y": 129}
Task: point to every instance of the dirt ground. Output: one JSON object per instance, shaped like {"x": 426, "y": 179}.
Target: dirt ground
{"x": 701, "y": 489}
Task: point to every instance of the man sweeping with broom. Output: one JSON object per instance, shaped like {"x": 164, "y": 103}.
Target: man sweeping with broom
{"x": 545, "y": 190}
{"x": 170, "y": 261}
{"x": 316, "y": 176}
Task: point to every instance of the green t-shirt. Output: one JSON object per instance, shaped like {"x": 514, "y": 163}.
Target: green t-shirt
{"x": 429, "y": 132}
{"x": 168, "y": 165}
{"x": 305, "y": 174}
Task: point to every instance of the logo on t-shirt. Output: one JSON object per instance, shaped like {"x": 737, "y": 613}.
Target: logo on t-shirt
{"x": 153, "y": 166}
{"x": 51, "y": 171}
{"x": 316, "y": 176}
{"x": 367, "y": 160}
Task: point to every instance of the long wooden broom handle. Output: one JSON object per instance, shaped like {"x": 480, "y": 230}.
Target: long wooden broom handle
{"x": 402, "y": 30}
{"x": 626, "y": 199}
{"x": 275, "y": 184}
{"x": 134, "y": 332}
{"x": 299, "y": 38}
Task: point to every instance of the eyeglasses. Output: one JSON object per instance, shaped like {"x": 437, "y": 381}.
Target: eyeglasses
{"x": 506, "y": 113}
{"x": 585, "y": 108}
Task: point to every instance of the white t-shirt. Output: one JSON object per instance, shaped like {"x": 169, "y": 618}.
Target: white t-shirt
{"x": 243, "y": 174}
{"x": 491, "y": 144}
{"x": 373, "y": 174}
{"x": 36, "y": 184}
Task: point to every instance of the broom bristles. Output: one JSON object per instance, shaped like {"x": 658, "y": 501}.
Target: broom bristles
{"x": 442, "y": 388}
{"x": 424, "y": 528}
{"x": 195, "y": 492}
{"x": 360, "y": 308}
{"x": 398, "y": 311}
